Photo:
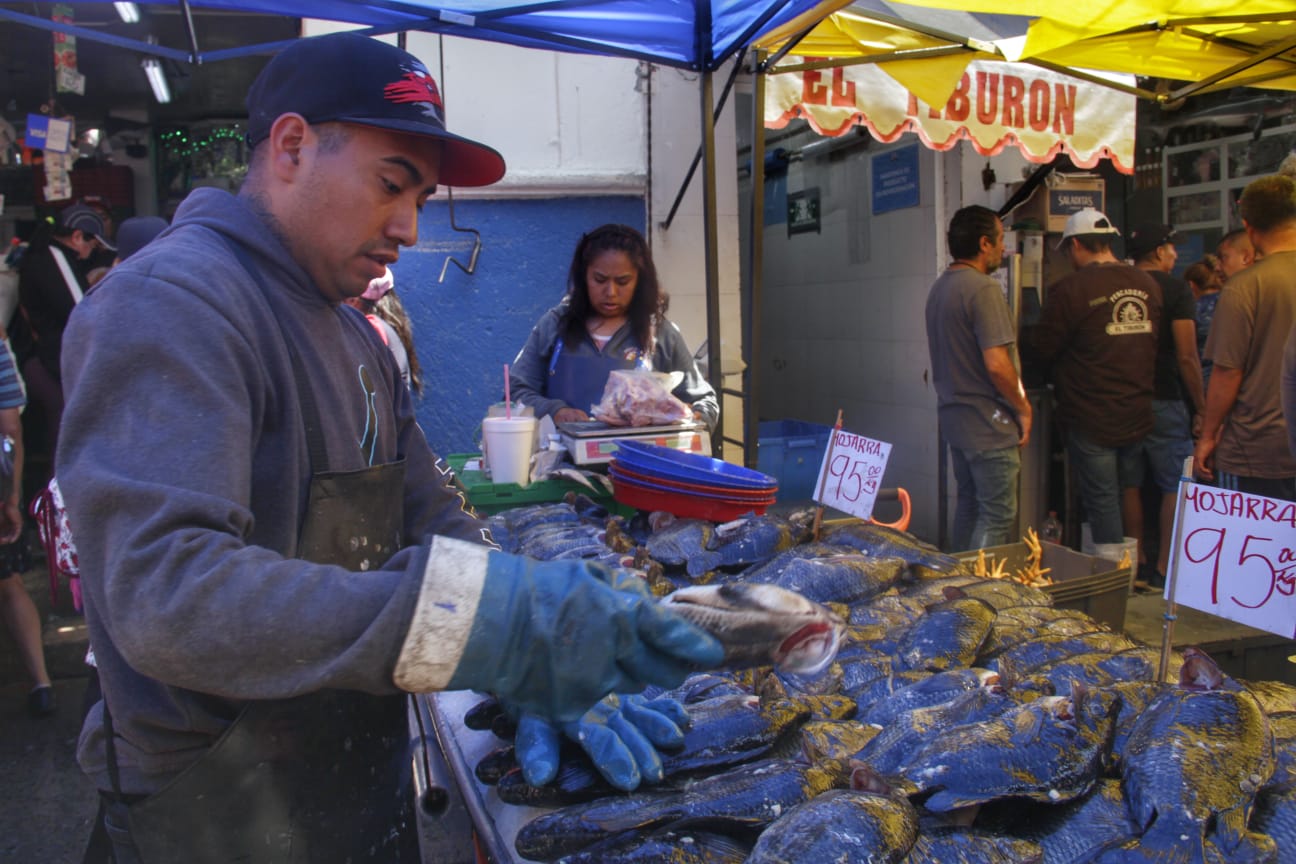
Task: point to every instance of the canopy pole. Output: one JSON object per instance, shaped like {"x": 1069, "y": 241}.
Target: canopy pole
{"x": 1252, "y": 61}
{"x": 714, "y": 373}
{"x": 195, "y": 57}
{"x": 697, "y": 157}
{"x": 755, "y": 266}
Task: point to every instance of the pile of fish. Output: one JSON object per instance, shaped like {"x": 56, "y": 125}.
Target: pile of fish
{"x": 955, "y": 719}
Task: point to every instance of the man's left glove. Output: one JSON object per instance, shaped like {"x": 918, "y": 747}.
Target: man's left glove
{"x": 620, "y": 734}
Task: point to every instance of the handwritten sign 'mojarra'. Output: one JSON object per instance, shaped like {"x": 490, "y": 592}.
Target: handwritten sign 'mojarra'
{"x": 851, "y": 473}
{"x": 1236, "y": 557}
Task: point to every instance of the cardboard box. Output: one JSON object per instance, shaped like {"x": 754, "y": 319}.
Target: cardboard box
{"x": 1093, "y": 585}
{"x": 1058, "y": 197}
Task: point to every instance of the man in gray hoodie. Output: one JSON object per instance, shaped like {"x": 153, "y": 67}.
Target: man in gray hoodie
{"x": 272, "y": 555}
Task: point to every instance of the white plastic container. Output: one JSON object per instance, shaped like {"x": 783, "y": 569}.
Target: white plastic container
{"x": 507, "y": 445}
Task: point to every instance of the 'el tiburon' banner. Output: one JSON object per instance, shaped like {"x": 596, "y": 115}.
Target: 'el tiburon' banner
{"x": 995, "y": 105}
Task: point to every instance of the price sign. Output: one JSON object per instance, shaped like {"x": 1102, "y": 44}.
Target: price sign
{"x": 1235, "y": 556}
{"x": 851, "y": 473}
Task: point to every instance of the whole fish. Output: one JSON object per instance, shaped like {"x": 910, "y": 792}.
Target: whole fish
{"x": 948, "y": 636}
{"x": 840, "y": 825}
{"x": 770, "y": 570}
{"x": 1010, "y": 630}
{"x": 749, "y": 796}
{"x": 1094, "y": 670}
{"x": 1283, "y": 727}
{"x": 1006, "y": 593}
{"x": 848, "y": 578}
{"x": 1194, "y": 762}
{"x": 760, "y": 625}
{"x": 933, "y": 690}
{"x": 1067, "y": 832}
{"x": 926, "y": 560}
{"x": 1050, "y": 749}
{"x": 749, "y": 540}
{"x": 1037, "y": 653}
{"x": 1275, "y": 816}
{"x": 908, "y": 733}
{"x": 679, "y": 541}
{"x": 664, "y": 846}
{"x": 953, "y": 845}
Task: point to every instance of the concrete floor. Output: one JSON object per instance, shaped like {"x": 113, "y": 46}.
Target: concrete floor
{"x": 46, "y": 803}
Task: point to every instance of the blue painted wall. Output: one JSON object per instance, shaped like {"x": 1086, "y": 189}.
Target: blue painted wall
{"x": 467, "y": 327}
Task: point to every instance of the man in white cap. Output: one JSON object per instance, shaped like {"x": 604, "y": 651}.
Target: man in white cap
{"x": 1098, "y": 328}
{"x": 274, "y": 556}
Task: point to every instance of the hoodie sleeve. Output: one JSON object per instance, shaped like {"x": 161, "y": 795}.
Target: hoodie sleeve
{"x": 530, "y": 370}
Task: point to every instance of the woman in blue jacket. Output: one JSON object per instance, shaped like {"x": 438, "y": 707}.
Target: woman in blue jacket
{"x": 613, "y": 317}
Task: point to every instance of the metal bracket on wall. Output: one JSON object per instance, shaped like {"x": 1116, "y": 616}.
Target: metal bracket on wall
{"x": 476, "y": 249}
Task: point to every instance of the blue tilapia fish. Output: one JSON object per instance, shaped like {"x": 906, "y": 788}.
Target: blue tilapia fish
{"x": 663, "y": 846}
{"x": 1067, "y": 832}
{"x": 843, "y": 578}
{"x": 762, "y": 625}
{"x": 1050, "y": 749}
{"x": 926, "y": 560}
{"x": 749, "y": 796}
{"x": 950, "y": 635}
{"x": 1191, "y": 768}
{"x": 840, "y": 825}
{"x": 749, "y": 540}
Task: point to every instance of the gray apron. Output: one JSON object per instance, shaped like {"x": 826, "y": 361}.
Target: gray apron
{"x": 319, "y": 778}
{"x": 579, "y": 379}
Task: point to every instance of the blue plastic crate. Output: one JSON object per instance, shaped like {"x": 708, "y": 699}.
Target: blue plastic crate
{"x": 792, "y": 451}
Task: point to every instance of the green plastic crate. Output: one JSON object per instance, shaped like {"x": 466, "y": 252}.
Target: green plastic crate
{"x": 488, "y": 498}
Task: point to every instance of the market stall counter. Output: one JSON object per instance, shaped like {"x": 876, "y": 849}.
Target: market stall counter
{"x": 495, "y": 824}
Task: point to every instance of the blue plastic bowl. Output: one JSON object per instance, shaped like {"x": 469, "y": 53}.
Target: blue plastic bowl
{"x": 690, "y": 467}
{"x": 729, "y": 495}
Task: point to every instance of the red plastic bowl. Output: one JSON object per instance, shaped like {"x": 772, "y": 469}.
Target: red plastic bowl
{"x": 618, "y": 470}
{"x": 683, "y": 504}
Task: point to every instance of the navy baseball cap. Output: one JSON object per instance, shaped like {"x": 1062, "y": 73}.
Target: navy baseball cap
{"x": 1145, "y": 238}
{"x": 87, "y": 220}
{"x": 136, "y": 233}
{"x": 349, "y": 78}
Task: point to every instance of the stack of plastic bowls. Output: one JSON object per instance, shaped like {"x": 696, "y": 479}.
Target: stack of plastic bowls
{"x": 649, "y": 477}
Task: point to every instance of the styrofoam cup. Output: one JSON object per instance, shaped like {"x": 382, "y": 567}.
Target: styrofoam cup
{"x": 507, "y": 444}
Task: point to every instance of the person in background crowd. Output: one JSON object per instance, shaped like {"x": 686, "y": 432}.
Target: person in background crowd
{"x": 1243, "y": 445}
{"x": 51, "y": 282}
{"x": 390, "y": 309}
{"x": 1098, "y": 329}
{"x": 272, "y": 556}
{"x": 612, "y": 317}
{"x": 367, "y": 305}
{"x": 1289, "y": 390}
{"x": 984, "y": 413}
{"x": 1178, "y": 385}
{"x": 1236, "y": 253}
{"x": 17, "y": 610}
{"x": 1205, "y": 280}
{"x": 101, "y": 259}
{"x": 135, "y": 233}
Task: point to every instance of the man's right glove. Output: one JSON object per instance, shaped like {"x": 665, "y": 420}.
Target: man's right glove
{"x": 620, "y": 735}
{"x": 553, "y": 637}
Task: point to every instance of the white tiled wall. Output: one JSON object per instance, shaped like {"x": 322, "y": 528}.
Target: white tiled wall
{"x": 842, "y": 323}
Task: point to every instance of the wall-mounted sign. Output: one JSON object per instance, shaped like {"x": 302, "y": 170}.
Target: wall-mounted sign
{"x": 48, "y": 133}
{"x": 803, "y": 211}
{"x": 895, "y": 179}
{"x": 851, "y": 474}
{"x": 1235, "y": 557}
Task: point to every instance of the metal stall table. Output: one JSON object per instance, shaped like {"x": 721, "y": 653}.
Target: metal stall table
{"x": 496, "y": 823}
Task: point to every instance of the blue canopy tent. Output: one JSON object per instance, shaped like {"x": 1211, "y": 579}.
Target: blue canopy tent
{"x": 699, "y": 35}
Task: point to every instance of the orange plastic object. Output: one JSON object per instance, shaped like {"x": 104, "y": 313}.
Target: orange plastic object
{"x": 901, "y": 524}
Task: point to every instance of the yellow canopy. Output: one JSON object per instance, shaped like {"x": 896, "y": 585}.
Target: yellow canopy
{"x": 1207, "y": 43}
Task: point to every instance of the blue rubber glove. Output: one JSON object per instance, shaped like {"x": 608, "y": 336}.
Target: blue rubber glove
{"x": 553, "y": 637}
{"x": 620, "y": 734}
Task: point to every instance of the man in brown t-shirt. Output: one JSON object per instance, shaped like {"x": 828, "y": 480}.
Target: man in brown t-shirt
{"x": 1098, "y": 329}
{"x": 1244, "y": 439}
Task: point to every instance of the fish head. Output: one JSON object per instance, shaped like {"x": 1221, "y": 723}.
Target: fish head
{"x": 811, "y": 648}
{"x": 1199, "y": 671}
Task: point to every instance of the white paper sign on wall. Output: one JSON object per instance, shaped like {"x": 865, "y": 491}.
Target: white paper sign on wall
{"x": 851, "y": 473}
{"x": 1235, "y": 556}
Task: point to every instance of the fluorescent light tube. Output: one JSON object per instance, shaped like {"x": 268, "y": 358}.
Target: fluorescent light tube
{"x": 129, "y": 12}
{"x": 157, "y": 79}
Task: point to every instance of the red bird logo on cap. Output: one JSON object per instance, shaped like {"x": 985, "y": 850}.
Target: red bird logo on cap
{"x": 414, "y": 86}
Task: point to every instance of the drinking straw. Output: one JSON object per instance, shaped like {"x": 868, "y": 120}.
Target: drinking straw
{"x": 508, "y": 402}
